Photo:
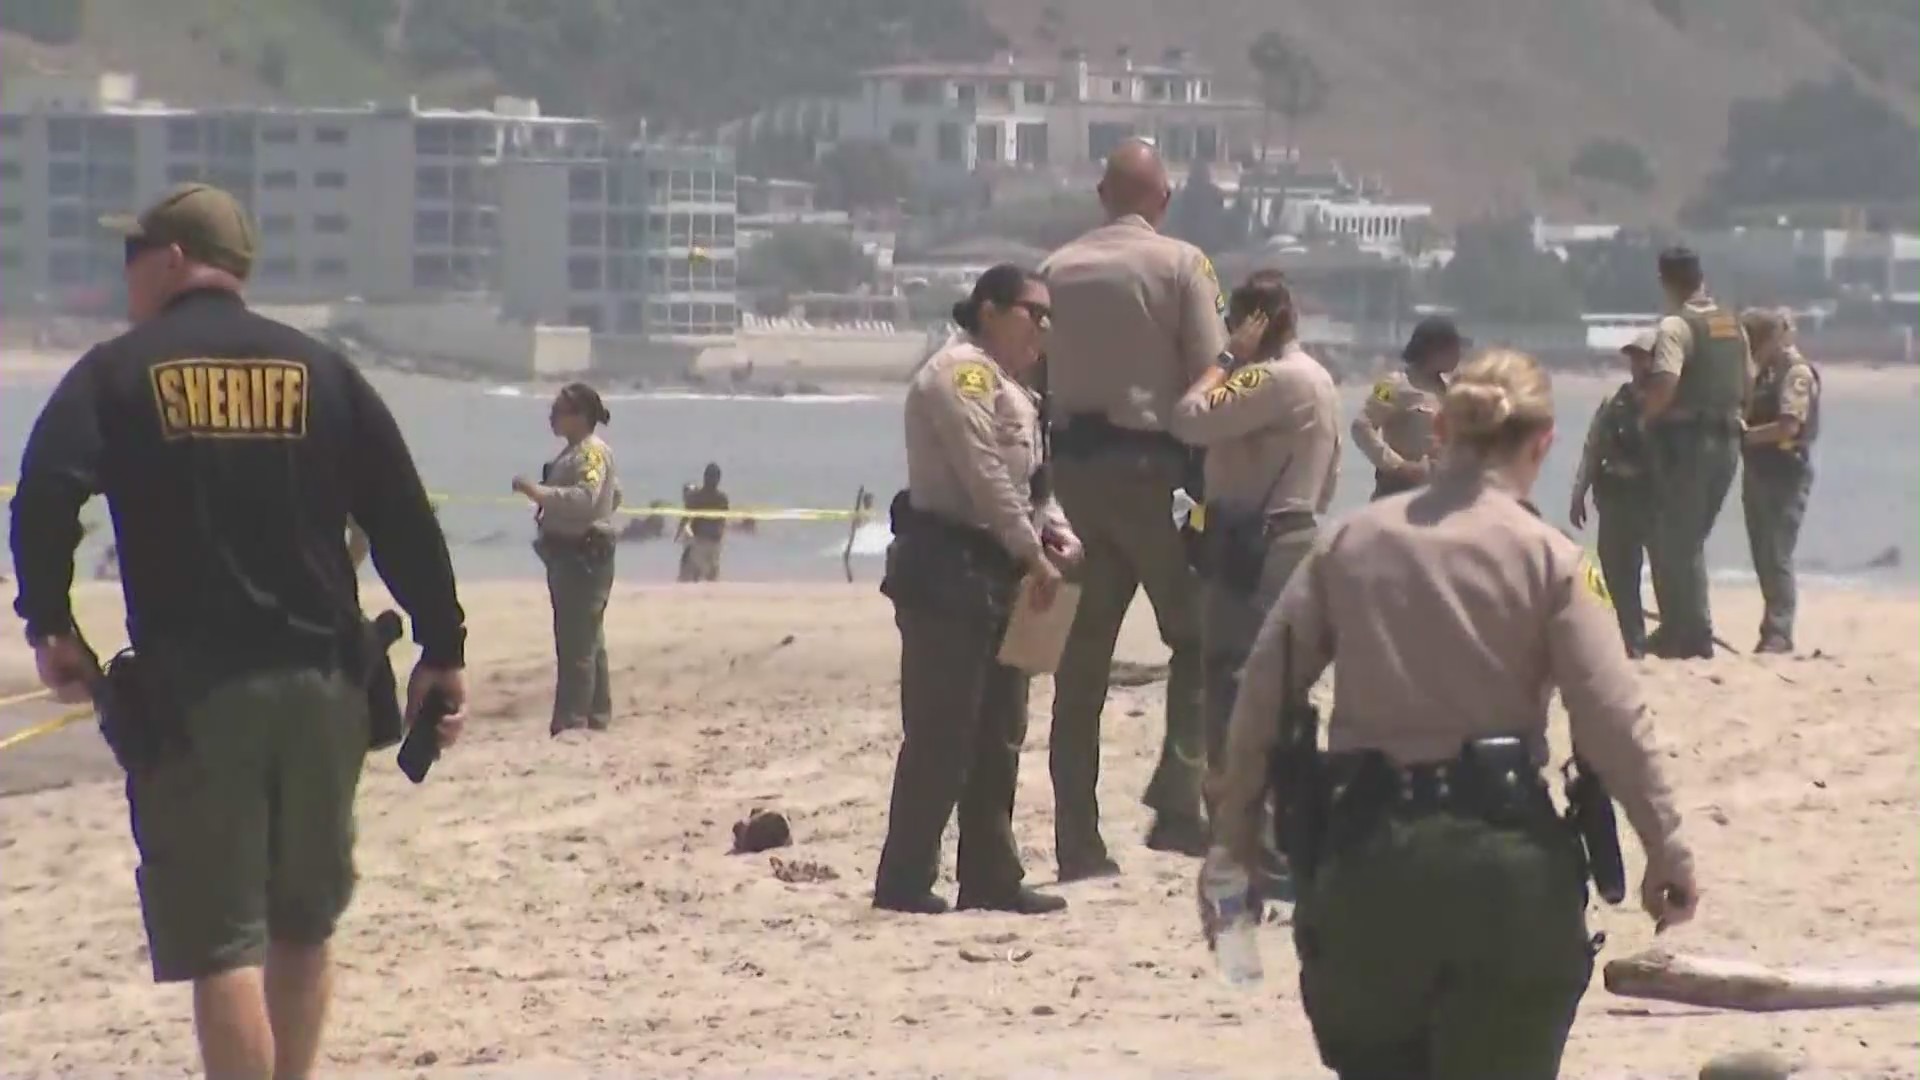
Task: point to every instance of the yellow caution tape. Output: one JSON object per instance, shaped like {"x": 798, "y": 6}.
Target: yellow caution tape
{"x": 45, "y": 727}
{"x": 788, "y": 514}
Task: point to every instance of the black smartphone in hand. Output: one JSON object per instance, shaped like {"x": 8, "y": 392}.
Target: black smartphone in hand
{"x": 421, "y": 748}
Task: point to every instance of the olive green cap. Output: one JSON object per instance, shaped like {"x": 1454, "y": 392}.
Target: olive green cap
{"x": 207, "y": 224}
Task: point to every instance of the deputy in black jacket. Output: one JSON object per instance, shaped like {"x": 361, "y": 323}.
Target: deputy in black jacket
{"x": 231, "y": 450}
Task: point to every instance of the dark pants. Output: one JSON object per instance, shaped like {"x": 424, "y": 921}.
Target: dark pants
{"x": 1121, "y": 505}
{"x": 578, "y": 584}
{"x": 1774, "y": 491}
{"x": 1385, "y": 484}
{"x": 1230, "y": 620}
{"x": 1444, "y": 948}
{"x": 1695, "y": 466}
{"x": 1626, "y": 513}
{"x": 964, "y": 718}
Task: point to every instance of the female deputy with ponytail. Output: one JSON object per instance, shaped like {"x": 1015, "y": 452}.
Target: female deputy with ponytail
{"x": 1441, "y": 932}
{"x": 574, "y": 505}
{"x": 974, "y": 521}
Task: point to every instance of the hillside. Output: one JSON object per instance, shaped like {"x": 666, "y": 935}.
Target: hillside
{"x": 1474, "y": 104}
{"x": 1481, "y": 104}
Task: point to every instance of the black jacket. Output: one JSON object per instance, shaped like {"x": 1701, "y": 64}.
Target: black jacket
{"x": 231, "y": 450}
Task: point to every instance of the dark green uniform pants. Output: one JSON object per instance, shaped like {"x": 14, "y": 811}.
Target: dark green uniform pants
{"x": 578, "y": 583}
{"x": 1230, "y": 620}
{"x": 1774, "y": 491}
{"x": 1121, "y": 505}
{"x": 246, "y": 836}
{"x": 1443, "y": 948}
{"x": 1695, "y": 466}
{"x": 964, "y": 718}
{"x": 1626, "y": 511}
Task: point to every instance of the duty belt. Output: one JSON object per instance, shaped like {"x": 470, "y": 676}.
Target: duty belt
{"x": 1085, "y": 434}
{"x": 1501, "y": 787}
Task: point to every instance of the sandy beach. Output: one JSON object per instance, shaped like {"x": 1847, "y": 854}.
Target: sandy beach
{"x": 570, "y": 908}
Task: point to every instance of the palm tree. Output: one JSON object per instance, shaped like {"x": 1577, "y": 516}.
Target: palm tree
{"x": 1291, "y": 84}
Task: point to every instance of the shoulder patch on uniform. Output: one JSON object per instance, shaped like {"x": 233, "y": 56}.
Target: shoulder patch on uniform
{"x": 1219, "y": 297}
{"x": 593, "y": 463}
{"x": 1240, "y": 382}
{"x": 973, "y": 380}
{"x": 1383, "y": 390}
{"x": 1594, "y": 581}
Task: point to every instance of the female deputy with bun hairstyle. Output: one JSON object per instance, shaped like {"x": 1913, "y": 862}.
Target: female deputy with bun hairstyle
{"x": 1441, "y": 924}
{"x": 575, "y": 502}
{"x": 974, "y": 521}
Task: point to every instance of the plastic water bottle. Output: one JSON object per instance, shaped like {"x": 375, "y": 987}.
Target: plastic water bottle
{"x": 1224, "y": 887}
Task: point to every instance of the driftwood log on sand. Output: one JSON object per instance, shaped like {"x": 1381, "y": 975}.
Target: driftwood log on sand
{"x": 1736, "y": 984}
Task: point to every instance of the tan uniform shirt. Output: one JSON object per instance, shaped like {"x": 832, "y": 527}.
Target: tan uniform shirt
{"x": 1395, "y": 426}
{"x": 1797, "y": 391}
{"x": 1271, "y": 433}
{"x": 973, "y": 445}
{"x": 1450, "y": 615}
{"x": 1137, "y": 317}
{"x": 580, "y": 493}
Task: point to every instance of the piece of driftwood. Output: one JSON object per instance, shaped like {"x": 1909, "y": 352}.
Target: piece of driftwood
{"x": 1736, "y": 984}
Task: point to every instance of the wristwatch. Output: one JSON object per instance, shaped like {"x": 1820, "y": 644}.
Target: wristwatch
{"x": 1225, "y": 361}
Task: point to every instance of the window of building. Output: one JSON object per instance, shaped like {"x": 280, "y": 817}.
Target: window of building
{"x": 11, "y": 215}
{"x": 466, "y": 229}
{"x": 680, "y": 230}
{"x": 238, "y": 181}
{"x": 583, "y": 273}
{"x": 964, "y": 93}
{"x": 65, "y": 220}
{"x": 702, "y": 230}
{"x": 182, "y": 172}
{"x": 65, "y": 179}
{"x": 431, "y": 227}
{"x": 330, "y": 224}
{"x": 1119, "y": 88}
{"x": 276, "y": 225}
{"x": 987, "y": 139}
{"x": 1000, "y": 90}
{"x": 330, "y": 267}
{"x": 65, "y": 135}
{"x": 280, "y": 180}
{"x": 12, "y": 127}
{"x": 917, "y": 91}
{"x": 110, "y": 184}
{"x": 279, "y": 270}
{"x": 111, "y": 137}
{"x": 680, "y": 186}
{"x": 1206, "y": 142}
{"x": 430, "y": 182}
{"x": 1156, "y": 89}
{"x": 679, "y": 275}
{"x": 468, "y": 271}
{"x": 632, "y": 317}
{"x": 1104, "y": 138}
{"x": 236, "y": 138}
{"x": 280, "y": 134}
{"x": 1034, "y": 93}
{"x": 430, "y": 139}
{"x": 584, "y": 229}
{"x": 587, "y": 315}
{"x": 486, "y": 227}
{"x": 432, "y": 272}
{"x": 723, "y": 231}
{"x": 330, "y": 135}
{"x": 330, "y": 178}
{"x": 952, "y": 147}
{"x": 905, "y": 135}
{"x": 1030, "y": 144}
{"x": 69, "y": 268}
{"x": 585, "y": 183}
{"x": 183, "y": 136}
{"x": 1176, "y": 142}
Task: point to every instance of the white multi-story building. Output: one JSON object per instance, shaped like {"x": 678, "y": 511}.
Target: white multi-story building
{"x": 1060, "y": 114}
{"x": 631, "y": 243}
{"x": 386, "y": 203}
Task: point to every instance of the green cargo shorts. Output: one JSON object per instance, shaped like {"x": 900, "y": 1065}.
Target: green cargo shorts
{"x": 248, "y": 836}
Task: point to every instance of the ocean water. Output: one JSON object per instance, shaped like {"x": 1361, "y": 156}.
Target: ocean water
{"x": 470, "y": 440}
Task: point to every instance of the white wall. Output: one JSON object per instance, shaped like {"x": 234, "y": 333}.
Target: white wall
{"x": 469, "y": 333}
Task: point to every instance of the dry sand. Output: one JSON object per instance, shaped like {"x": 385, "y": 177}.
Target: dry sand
{"x": 568, "y": 908}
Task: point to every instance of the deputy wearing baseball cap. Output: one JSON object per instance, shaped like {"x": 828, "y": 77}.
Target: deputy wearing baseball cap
{"x": 1395, "y": 427}
{"x": 231, "y": 450}
{"x": 1616, "y": 468}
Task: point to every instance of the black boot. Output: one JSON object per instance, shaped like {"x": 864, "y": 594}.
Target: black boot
{"x": 1021, "y": 901}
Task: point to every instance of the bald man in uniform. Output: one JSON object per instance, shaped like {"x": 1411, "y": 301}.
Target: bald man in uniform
{"x": 1702, "y": 375}
{"x": 1137, "y": 317}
